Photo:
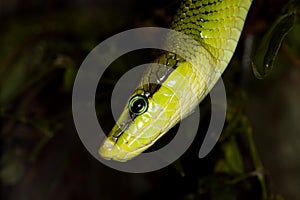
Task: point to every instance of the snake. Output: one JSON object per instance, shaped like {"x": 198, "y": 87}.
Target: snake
{"x": 165, "y": 96}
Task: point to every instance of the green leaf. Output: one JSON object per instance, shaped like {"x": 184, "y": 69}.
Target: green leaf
{"x": 271, "y": 42}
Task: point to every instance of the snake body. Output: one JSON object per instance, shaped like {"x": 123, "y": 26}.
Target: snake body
{"x": 153, "y": 109}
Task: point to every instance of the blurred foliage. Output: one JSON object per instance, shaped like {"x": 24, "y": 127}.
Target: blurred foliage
{"x": 271, "y": 42}
{"x": 42, "y": 49}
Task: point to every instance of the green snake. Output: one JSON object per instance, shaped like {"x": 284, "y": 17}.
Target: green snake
{"x": 153, "y": 109}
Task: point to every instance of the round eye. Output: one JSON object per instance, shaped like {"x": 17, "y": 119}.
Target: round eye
{"x": 138, "y": 105}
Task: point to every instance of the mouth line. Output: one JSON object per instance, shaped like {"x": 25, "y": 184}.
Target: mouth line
{"x": 121, "y": 128}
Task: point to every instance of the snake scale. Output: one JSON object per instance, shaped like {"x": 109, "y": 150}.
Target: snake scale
{"x": 153, "y": 109}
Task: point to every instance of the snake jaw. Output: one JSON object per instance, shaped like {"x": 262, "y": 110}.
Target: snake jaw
{"x": 128, "y": 139}
{"x": 109, "y": 149}
{"x": 105, "y": 150}
{"x": 120, "y": 150}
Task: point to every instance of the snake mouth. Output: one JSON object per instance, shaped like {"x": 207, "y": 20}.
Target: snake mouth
{"x": 105, "y": 151}
{"x": 111, "y": 151}
{"x": 110, "y": 142}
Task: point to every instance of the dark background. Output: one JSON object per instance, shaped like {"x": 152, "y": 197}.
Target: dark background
{"x": 42, "y": 46}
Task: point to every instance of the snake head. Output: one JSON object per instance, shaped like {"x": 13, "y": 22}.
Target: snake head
{"x": 143, "y": 121}
{"x": 151, "y": 113}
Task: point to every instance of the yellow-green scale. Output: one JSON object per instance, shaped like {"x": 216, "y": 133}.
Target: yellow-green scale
{"x": 216, "y": 25}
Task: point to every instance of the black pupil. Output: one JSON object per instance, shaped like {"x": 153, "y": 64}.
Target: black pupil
{"x": 138, "y": 106}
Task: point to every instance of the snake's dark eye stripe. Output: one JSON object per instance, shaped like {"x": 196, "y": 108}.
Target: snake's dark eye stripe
{"x": 138, "y": 105}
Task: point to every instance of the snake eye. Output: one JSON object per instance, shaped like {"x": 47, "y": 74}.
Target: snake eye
{"x": 138, "y": 105}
